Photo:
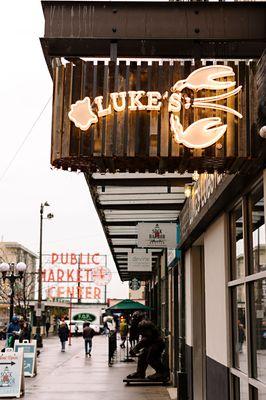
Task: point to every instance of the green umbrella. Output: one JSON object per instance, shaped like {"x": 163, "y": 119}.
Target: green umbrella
{"x": 128, "y": 305}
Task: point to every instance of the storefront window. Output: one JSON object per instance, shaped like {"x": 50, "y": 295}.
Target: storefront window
{"x": 243, "y": 390}
{"x": 237, "y": 254}
{"x": 259, "y": 328}
{"x": 239, "y": 328}
{"x": 258, "y": 232}
{"x": 261, "y": 394}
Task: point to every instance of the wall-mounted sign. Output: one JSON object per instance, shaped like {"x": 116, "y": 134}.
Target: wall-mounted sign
{"x": 84, "y": 317}
{"x": 139, "y": 261}
{"x": 164, "y": 115}
{"x": 30, "y": 356}
{"x": 159, "y": 235}
{"x": 11, "y": 373}
{"x": 77, "y": 276}
{"x": 200, "y": 134}
{"x": 134, "y": 284}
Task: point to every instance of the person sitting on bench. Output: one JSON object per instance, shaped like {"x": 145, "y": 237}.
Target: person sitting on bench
{"x": 149, "y": 351}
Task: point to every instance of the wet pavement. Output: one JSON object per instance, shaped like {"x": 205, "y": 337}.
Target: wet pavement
{"x": 71, "y": 375}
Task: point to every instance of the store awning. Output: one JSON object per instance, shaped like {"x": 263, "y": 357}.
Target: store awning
{"x": 122, "y": 200}
{"x": 128, "y": 305}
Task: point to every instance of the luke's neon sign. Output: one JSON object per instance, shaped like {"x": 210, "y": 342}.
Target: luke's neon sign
{"x": 199, "y": 134}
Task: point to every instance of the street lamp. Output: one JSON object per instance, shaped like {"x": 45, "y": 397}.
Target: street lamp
{"x": 12, "y": 272}
{"x": 39, "y": 303}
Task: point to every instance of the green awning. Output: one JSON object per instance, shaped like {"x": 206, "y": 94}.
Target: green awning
{"x": 128, "y": 305}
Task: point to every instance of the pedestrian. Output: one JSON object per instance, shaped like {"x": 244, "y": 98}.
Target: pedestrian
{"x": 88, "y": 334}
{"x": 13, "y": 331}
{"x": 63, "y": 333}
{"x": 25, "y": 330}
{"x": 47, "y": 325}
{"x": 123, "y": 332}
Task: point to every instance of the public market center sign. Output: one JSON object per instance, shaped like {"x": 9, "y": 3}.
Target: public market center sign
{"x": 159, "y": 115}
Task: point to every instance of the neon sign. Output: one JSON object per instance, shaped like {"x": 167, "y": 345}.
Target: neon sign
{"x": 77, "y": 276}
{"x": 200, "y": 134}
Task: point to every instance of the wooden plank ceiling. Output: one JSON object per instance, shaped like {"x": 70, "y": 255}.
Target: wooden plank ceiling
{"x": 124, "y": 199}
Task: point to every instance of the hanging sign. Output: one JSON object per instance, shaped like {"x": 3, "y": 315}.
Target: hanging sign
{"x": 11, "y": 373}
{"x": 139, "y": 261}
{"x": 30, "y": 356}
{"x": 159, "y": 235}
{"x": 88, "y": 317}
{"x": 157, "y": 115}
{"x": 134, "y": 284}
{"x": 200, "y": 134}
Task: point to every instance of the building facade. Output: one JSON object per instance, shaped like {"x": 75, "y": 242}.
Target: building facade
{"x": 133, "y": 103}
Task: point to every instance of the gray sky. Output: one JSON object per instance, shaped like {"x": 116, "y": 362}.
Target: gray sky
{"x": 26, "y": 86}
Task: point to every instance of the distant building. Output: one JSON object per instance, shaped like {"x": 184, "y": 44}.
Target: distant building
{"x": 13, "y": 252}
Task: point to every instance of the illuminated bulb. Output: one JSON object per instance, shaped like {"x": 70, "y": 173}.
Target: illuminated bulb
{"x": 195, "y": 176}
{"x": 187, "y": 191}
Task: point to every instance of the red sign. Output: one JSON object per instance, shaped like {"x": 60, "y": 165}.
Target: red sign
{"x": 76, "y": 276}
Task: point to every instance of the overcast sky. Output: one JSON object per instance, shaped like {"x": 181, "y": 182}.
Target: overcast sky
{"x": 26, "y": 87}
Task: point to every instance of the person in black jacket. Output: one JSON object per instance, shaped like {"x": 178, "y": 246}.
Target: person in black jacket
{"x": 88, "y": 334}
{"x": 149, "y": 351}
{"x": 63, "y": 333}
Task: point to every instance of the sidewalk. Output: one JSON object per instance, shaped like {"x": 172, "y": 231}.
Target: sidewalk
{"x": 71, "y": 375}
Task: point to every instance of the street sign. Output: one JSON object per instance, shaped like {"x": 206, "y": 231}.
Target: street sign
{"x": 134, "y": 284}
{"x": 30, "y": 356}
{"x": 11, "y": 373}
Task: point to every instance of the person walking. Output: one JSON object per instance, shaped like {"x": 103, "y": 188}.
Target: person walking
{"x": 123, "y": 332}
{"x": 63, "y": 333}
{"x": 88, "y": 334}
{"x": 47, "y": 325}
{"x": 13, "y": 331}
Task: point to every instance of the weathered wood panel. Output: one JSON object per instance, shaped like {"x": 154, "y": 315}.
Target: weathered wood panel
{"x": 141, "y": 139}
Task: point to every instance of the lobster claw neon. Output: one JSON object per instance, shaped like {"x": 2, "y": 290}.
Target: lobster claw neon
{"x": 199, "y": 134}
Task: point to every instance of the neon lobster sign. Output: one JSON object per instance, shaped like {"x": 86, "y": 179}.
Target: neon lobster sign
{"x": 200, "y": 134}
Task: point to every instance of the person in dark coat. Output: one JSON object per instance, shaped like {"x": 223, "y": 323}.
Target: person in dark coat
{"x": 63, "y": 333}
{"x": 13, "y": 331}
{"x": 88, "y": 334}
{"x": 25, "y": 330}
{"x": 149, "y": 351}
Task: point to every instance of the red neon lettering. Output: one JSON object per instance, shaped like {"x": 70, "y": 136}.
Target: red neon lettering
{"x": 93, "y": 258}
{"x": 70, "y": 291}
{"x": 73, "y": 258}
{"x": 97, "y": 293}
{"x": 88, "y": 274}
{"x": 60, "y": 275}
{"x": 66, "y": 258}
{"x": 54, "y": 258}
{"x": 70, "y": 277}
{"x": 49, "y": 291}
{"x": 51, "y": 277}
{"x": 88, "y": 292}
{"x": 60, "y": 291}
{"x": 44, "y": 275}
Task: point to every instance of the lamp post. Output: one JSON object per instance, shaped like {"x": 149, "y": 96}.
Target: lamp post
{"x": 12, "y": 272}
{"x": 38, "y": 335}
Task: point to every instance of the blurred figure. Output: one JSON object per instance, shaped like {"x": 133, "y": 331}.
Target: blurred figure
{"x": 241, "y": 336}
{"x": 63, "y": 333}
{"x": 47, "y": 325}
{"x": 88, "y": 334}
{"x": 123, "y": 331}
